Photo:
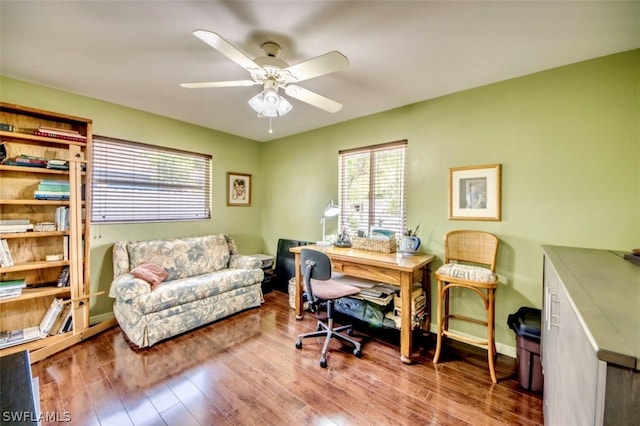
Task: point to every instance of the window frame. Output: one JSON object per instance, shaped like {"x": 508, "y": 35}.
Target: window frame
{"x": 128, "y": 177}
{"x": 373, "y": 215}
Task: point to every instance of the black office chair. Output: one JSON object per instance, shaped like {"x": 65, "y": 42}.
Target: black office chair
{"x": 316, "y": 273}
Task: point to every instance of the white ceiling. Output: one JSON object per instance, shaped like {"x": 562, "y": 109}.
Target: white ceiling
{"x": 135, "y": 53}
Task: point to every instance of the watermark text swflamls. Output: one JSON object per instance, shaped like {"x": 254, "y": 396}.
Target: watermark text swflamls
{"x": 30, "y": 416}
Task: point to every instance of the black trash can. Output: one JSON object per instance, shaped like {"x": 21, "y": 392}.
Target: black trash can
{"x": 526, "y": 323}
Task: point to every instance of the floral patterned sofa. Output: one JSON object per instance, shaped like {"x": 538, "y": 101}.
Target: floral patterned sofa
{"x": 166, "y": 287}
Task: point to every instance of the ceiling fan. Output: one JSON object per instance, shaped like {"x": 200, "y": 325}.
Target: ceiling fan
{"x": 273, "y": 74}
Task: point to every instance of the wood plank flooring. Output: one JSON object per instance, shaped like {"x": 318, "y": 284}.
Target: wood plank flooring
{"x": 246, "y": 370}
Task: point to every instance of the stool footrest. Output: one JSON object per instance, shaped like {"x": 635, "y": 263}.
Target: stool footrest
{"x": 466, "y": 339}
{"x": 468, "y": 319}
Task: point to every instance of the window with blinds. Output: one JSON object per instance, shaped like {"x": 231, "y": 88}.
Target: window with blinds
{"x": 134, "y": 182}
{"x": 372, "y": 188}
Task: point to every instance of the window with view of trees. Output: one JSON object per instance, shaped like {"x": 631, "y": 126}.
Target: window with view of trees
{"x": 372, "y": 188}
{"x": 134, "y": 182}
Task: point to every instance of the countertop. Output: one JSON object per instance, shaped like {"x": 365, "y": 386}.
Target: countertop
{"x": 605, "y": 291}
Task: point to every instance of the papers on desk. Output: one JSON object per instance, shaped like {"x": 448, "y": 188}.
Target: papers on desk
{"x": 371, "y": 291}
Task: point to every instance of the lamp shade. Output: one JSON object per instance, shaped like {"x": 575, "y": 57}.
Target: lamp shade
{"x": 331, "y": 210}
{"x": 269, "y": 103}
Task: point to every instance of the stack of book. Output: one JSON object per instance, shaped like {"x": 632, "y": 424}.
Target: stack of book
{"x": 11, "y": 289}
{"x": 9, "y": 226}
{"x": 53, "y": 132}
{"x": 58, "y": 164}
{"x": 5, "y": 254}
{"x": 52, "y": 190}
{"x": 418, "y": 307}
{"x": 26, "y": 161}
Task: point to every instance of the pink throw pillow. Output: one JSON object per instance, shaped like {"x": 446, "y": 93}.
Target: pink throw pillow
{"x": 151, "y": 273}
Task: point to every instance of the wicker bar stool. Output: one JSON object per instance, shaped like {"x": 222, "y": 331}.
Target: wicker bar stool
{"x": 464, "y": 251}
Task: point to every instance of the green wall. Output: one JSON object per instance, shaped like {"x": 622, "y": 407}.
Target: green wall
{"x": 568, "y": 140}
{"x": 230, "y": 153}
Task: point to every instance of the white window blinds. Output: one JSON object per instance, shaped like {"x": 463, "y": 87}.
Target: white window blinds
{"x": 134, "y": 182}
{"x": 372, "y": 188}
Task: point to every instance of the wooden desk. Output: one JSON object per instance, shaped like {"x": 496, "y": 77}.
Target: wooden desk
{"x": 389, "y": 268}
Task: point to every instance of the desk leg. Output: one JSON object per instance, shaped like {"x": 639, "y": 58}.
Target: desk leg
{"x": 299, "y": 303}
{"x": 406, "y": 279}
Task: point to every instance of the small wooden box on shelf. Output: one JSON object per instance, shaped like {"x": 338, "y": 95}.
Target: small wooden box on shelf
{"x": 35, "y": 192}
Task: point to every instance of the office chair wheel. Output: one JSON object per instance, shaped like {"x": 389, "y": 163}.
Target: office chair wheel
{"x": 357, "y": 353}
{"x": 318, "y": 327}
{"x": 350, "y": 331}
{"x": 323, "y": 362}
{"x": 299, "y": 344}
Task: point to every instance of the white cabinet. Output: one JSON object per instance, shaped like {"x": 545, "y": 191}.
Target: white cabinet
{"x": 590, "y": 371}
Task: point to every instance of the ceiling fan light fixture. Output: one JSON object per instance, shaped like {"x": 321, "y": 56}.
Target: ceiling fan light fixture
{"x": 270, "y": 99}
{"x": 269, "y": 104}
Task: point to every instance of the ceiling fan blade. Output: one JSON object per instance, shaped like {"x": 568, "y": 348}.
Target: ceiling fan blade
{"x": 205, "y": 85}
{"x": 227, "y": 49}
{"x": 315, "y": 67}
{"x": 312, "y": 98}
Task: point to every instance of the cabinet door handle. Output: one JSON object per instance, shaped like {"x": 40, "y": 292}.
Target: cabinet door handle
{"x": 553, "y": 299}
{"x": 550, "y": 300}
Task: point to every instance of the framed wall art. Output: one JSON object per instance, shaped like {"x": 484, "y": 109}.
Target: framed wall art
{"x": 238, "y": 189}
{"x": 474, "y": 192}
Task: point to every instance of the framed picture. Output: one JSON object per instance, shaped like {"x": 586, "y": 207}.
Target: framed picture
{"x": 474, "y": 193}
{"x": 238, "y": 189}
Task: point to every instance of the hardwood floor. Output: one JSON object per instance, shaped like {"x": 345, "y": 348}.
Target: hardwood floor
{"x": 246, "y": 370}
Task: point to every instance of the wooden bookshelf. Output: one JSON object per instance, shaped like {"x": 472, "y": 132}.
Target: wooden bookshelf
{"x": 29, "y": 249}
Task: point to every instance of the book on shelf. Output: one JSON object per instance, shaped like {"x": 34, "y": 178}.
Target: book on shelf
{"x": 65, "y": 134}
{"x": 63, "y": 278}
{"x": 417, "y": 304}
{"x": 51, "y": 195}
{"x": 62, "y": 218}
{"x": 58, "y": 130}
{"x": 44, "y": 227}
{"x": 25, "y": 162}
{"x": 58, "y": 164}
{"x": 11, "y": 288}
{"x": 65, "y": 247}
{"x": 10, "y": 229}
{"x": 15, "y": 221}
{"x": 17, "y": 337}
{"x": 5, "y": 254}
{"x": 59, "y": 324}
{"x": 51, "y": 316}
{"x": 54, "y": 185}
{"x": 52, "y": 190}
{"x": 67, "y": 321}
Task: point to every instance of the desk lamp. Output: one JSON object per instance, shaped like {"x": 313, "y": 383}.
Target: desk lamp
{"x": 330, "y": 211}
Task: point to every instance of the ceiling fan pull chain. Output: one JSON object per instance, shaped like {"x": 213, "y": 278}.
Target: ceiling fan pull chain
{"x": 270, "y": 128}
